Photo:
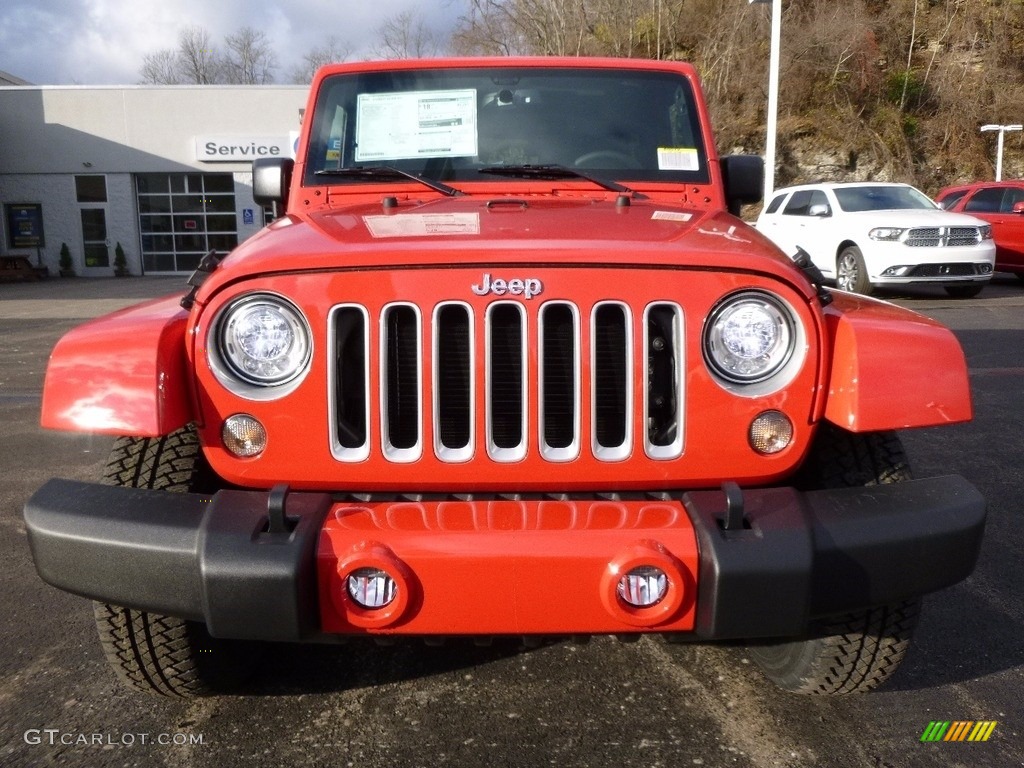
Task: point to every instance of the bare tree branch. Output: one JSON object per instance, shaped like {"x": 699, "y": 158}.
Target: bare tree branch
{"x": 407, "y": 36}
{"x": 249, "y": 59}
{"x": 333, "y": 51}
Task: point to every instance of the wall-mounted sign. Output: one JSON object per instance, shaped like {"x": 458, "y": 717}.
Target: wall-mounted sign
{"x": 24, "y": 225}
{"x": 236, "y": 149}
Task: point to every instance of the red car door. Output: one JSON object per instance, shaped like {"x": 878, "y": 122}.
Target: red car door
{"x": 996, "y": 206}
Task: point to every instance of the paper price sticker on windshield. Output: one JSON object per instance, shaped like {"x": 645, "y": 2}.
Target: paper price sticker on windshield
{"x": 678, "y": 159}
{"x": 399, "y": 126}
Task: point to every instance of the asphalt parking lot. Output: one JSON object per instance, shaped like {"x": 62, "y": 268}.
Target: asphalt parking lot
{"x": 603, "y": 703}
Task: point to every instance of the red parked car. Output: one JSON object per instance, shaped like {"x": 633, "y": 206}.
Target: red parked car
{"x": 508, "y": 364}
{"x": 1001, "y": 204}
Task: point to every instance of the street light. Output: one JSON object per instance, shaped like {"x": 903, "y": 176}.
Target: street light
{"x": 773, "y": 97}
{"x": 999, "y": 145}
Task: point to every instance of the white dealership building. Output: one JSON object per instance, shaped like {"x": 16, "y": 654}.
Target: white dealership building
{"x": 162, "y": 171}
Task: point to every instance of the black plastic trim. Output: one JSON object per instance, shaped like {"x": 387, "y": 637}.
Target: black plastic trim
{"x": 822, "y": 553}
{"x": 205, "y": 558}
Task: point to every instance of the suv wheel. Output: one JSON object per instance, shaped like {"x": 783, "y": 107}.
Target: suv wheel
{"x": 857, "y": 651}
{"x": 163, "y": 654}
{"x": 851, "y": 274}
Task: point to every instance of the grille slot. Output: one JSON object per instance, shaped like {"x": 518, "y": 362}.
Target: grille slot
{"x": 559, "y": 381}
{"x": 611, "y": 380}
{"x": 350, "y": 383}
{"x": 453, "y": 388}
{"x": 663, "y": 341}
{"x": 506, "y": 382}
{"x": 400, "y": 375}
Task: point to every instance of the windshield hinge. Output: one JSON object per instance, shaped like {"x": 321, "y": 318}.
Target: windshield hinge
{"x": 207, "y": 265}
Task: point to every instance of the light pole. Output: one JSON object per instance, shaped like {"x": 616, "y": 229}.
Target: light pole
{"x": 773, "y": 97}
{"x": 999, "y": 144}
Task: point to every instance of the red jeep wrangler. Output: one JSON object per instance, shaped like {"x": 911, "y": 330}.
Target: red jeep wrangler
{"x": 508, "y": 364}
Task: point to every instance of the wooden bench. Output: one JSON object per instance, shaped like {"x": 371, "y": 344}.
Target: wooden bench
{"x": 13, "y": 268}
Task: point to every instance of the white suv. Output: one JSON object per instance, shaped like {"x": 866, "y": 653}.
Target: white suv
{"x": 864, "y": 235}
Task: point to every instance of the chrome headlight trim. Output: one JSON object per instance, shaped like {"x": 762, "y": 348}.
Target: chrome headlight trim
{"x": 753, "y": 343}
{"x": 260, "y": 346}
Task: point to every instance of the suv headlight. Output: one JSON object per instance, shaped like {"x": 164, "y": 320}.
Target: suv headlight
{"x": 886, "y": 233}
{"x": 749, "y": 337}
{"x": 985, "y": 232}
{"x": 260, "y": 340}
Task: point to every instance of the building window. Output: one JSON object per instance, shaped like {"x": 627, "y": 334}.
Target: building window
{"x": 91, "y": 189}
{"x": 183, "y": 216}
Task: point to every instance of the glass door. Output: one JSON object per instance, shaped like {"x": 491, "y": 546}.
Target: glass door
{"x": 95, "y": 252}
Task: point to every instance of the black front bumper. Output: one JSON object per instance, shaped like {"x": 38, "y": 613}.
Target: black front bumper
{"x": 226, "y": 561}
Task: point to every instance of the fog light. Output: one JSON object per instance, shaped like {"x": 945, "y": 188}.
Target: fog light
{"x": 371, "y": 587}
{"x": 900, "y": 271}
{"x": 643, "y": 586}
{"x": 770, "y": 433}
{"x": 243, "y": 435}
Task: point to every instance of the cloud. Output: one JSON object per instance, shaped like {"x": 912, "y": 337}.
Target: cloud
{"x": 101, "y": 42}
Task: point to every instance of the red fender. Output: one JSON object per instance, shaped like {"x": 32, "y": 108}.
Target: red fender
{"x": 121, "y": 374}
{"x": 893, "y": 368}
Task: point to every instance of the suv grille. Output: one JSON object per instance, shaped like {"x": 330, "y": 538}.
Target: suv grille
{"x": 526, "y": 401}
{"x": 931, "y": 237}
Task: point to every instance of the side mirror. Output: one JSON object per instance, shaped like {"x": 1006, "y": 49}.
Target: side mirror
{"x": 743, "y": 177}
{"x": 1018, "y": 207}
{"x": 270, "y": 179}
{"x": 820, "y": 210}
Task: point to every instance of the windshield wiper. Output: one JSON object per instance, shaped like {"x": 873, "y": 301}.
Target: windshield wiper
{"x": 378, "y": 172}
{"x": 552, "y": 171}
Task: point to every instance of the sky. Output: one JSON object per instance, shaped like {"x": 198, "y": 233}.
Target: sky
{"x": 103, "y": 42}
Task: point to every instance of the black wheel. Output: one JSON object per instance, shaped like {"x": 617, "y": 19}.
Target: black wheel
{"x": 964, "y": 291}
{"x": 851, "y": 274}
{"x": 162, "y": 654}
{"x": 857, "y": 651}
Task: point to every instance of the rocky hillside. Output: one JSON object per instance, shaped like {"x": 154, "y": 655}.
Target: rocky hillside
{"x": 869, "y": 89}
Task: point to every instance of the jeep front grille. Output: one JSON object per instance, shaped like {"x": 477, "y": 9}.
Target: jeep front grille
{"x": 393, "y": 392}
{"x": 932, "y": 237}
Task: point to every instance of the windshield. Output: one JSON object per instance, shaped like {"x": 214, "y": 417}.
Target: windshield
{"x": 455, "y": 124}
{"x": 881, "y": 198}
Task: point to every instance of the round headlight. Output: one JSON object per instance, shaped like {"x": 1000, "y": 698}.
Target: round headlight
{"x": 748, "y": 338}
{"x": 264, "y": 340}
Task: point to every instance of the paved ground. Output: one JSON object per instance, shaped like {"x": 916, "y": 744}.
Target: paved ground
{"x": 601, "y": 704}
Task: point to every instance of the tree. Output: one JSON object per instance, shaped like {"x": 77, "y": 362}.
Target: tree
{"x": 197, "y": 59}
{"x": 161, "y": 68}
{"x": 249, "y": 59}
{"x": 407, "y": 36}
{"x": 331, "y": 52}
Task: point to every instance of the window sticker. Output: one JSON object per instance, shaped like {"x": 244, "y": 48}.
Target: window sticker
{"x": 671, "y": 216}
{"x": 423, "y": 224}
{"x": 333, "y": 157}
{"x": 678, "y": 159}
{"x": 399, "y": 126}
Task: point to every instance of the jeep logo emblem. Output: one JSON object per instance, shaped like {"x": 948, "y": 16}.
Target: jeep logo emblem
{"x": 526, "y": 287}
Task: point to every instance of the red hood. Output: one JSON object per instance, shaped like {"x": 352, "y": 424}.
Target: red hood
{"x": 492, "y": 231}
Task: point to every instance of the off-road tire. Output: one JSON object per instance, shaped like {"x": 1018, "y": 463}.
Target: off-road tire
{"x": 163, "y": 654}
{"x": 858, "y": 651}
{"x": 851, "y": 272}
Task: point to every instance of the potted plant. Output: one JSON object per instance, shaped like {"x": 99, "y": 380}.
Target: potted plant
{"x": 67, "y": 266}
{"x": 120, "y": 262}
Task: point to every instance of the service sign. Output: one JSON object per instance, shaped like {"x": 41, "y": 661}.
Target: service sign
{"x": 240, "y": 149}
